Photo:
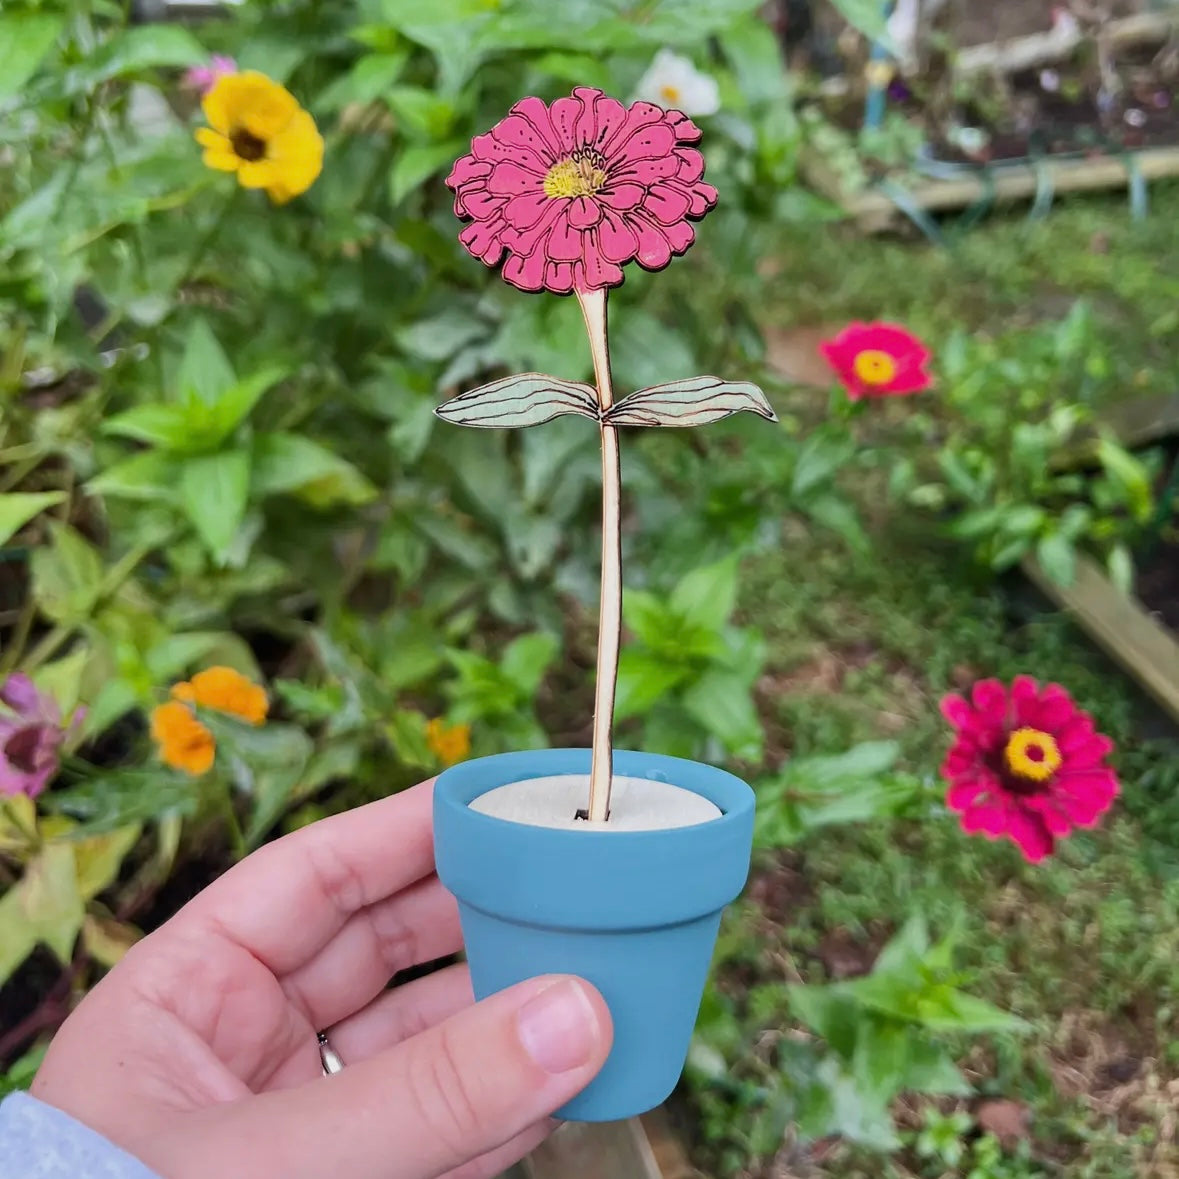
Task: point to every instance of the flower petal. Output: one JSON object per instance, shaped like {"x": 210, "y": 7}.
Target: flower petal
{"x": 525, "y": 272}
{"x": 1030, "y": 834}
{"x": 618, "y": 240}
{"x": 622, "y": 197}
{"x": 509, "y": 179}
{"x": 584, "y": 213}
{"x": 21, "y": 695}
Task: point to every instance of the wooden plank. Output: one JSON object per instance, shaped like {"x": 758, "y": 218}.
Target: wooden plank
{"x": 875, "y": 212}
{"x": 671, "y": 1158}
{"x": 595, "y": 1150}
{"x": 1120, "y": 626}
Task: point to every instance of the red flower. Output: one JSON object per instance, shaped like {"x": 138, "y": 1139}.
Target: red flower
{"x": 571, "y": 192}
{"x": 878, "y": 360}
{"x": 1027, "y": 763}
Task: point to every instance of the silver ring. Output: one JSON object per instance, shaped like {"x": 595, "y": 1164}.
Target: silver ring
{"x": 328, "y": 1056}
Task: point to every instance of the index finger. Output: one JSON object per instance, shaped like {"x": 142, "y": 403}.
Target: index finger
{"x": 288, "y": 899}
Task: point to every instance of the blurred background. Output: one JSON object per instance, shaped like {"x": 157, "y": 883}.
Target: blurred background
{"x": 218, "y": 449}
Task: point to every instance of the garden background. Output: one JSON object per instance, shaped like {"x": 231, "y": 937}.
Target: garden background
{"x": 218, "y": 449}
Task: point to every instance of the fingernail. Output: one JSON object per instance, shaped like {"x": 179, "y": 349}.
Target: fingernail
{"x": 559, "y": 1027}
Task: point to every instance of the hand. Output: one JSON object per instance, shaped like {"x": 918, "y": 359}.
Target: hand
{"x": 198, "y": 1052}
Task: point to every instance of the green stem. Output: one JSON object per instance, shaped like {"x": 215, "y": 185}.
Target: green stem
{"x": 205, "y": 244}
{"x": 60, "y": 634}
{"x": 237, "y": 837}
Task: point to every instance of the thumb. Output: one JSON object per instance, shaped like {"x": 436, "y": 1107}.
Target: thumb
{"x": 436, "y": 1101}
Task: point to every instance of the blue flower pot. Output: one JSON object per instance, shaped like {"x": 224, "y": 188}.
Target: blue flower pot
{"x": 635, "y": 913}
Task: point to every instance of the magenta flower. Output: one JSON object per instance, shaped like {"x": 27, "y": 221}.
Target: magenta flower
{"x": 1026, "y": 763}
{"x": 203, "y": 78}
{"x": 566, "y": 194}
{"x": 30, "y": 738}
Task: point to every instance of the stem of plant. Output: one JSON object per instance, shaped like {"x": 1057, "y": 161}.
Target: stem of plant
{"x": 593, "y": 309}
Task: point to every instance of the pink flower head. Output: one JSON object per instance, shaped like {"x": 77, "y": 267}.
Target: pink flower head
{"x": 30, "y": 737}
{"x": 878, "y": 360}
{"x": 203, "y": 78}
{"x": 1026, "y": 763}
{"x": 565, "y": 195}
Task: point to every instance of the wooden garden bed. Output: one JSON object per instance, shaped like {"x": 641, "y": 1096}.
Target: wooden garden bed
{"x": 875, "y": 212}
{"x": 641, "y": 1148}
{"x": 1009, "y": 177}
{"x": 1121, "y": 626}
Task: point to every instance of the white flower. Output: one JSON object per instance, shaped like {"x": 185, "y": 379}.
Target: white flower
{"x": 673, "y": 81}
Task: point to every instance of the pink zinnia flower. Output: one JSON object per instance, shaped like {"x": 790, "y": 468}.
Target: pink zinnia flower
{"x": 203, "y": 78}
{"x": 567, "y": 194}
{"x": 30, "y": 737}
{"x": 1027, "y": 763}
{"x": 878, "y": 360}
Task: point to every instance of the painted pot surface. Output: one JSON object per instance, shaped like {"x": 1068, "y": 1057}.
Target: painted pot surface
{"x": 635, "y": 913}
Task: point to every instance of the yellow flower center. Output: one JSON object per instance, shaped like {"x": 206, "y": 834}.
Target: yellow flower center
{"x": 670, "y": 94}
{"x": 1032, "y": 754}
{"x": 581, "y": 174}
{"x": 874, "y": 367}
{"x": 246, "y": 146}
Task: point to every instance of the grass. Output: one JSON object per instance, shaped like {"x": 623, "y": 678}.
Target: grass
{"x": 1083, "y": 947}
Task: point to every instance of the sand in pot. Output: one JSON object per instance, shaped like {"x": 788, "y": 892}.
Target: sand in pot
{"x": 636, "y": 804}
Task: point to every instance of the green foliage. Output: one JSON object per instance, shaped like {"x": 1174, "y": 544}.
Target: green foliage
{"x": 689, "y": 671}
{"x": 1022, "y": 425}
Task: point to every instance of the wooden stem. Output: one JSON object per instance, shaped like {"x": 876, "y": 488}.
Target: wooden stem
{"x": 593, "y": 308}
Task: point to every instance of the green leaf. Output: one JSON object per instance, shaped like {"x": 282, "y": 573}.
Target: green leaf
{"x": 1120, "y": 566}
{"x": 294, "y": 464}
{"x": 25, "y": 38}
{"x": 526, "y": 659}
{"x": 235, "y": 403}
{"x": 830, "y": 1012}
{"x": 421, "y": 112}
{"x": 99, "y": 857}
{"x": 721, "y": 702}
{"x": 1058, "y": 558}
{"x": 836, "y": 513}
{"x": 144, "y": 47}
{"x": 49, "y": 899}
{"x": 214, "y": 491}
{"x": 122, "y": 798}
{"x": 866, "y": 16}
{"x": 529, "y": 399}
{"x": 168, "y": 426}
{"x": 368, "y": 79}
{"x": 818, "y": 461}
{"x": 643, "y": 680}
{"x": 417, "y": 162}
{"x": 67, "y": 575}
{"x": 205, "y": 372}
{"x": 150, "y": 475}
{"x": 706, "y": 597}
{"x": 17, "y": 508}
{"x": 268, "y": 764}
{"x": 62, "y": 678}
{"x": 695, "y": 402}
{"x": 17, "y": 940}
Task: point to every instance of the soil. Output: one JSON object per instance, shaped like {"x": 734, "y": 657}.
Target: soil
{"x": 977, "y": 24}
{"x": 1158, "y": 584}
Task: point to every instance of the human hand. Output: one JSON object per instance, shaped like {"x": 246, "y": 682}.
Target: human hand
{"x": 198, "y": 1052}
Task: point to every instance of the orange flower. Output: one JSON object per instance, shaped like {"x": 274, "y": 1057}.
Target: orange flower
{"x": 185, "y": 744}
{"x": 225, "y": 690}
{"x": 448, "y": 743}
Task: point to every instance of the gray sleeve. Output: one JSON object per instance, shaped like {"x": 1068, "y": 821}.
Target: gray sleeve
{"x": 40, "y": 1142}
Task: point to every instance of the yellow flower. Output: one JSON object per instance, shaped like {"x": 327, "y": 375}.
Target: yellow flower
{"x": 258, "y": 130}
{"x": 225, "y": 690}
{"x": 185, "y": 744}
{"x": 448, "y": 743}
